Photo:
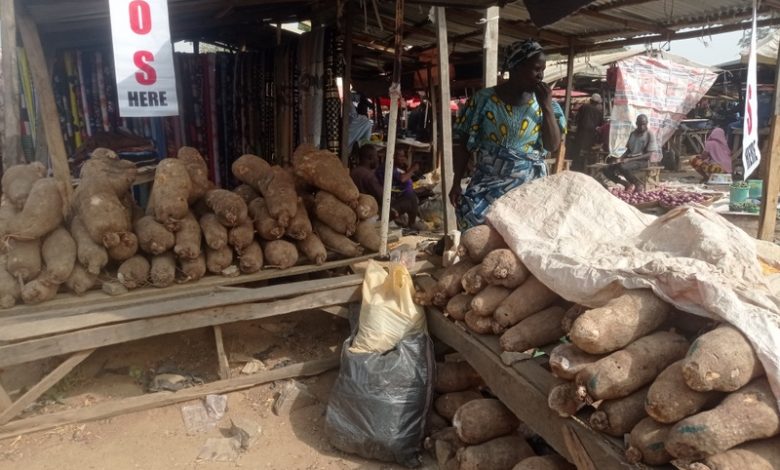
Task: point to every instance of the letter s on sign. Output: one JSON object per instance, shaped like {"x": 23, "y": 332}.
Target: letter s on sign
{"x": 140, "y": 17}
{"x": 146, "y": 74}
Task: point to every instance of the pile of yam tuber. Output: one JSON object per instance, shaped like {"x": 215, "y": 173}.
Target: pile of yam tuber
{"x": 277, "y": 218}
{"x": 675, "y": 386}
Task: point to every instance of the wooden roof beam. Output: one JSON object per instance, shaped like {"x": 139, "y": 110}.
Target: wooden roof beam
{"x": 642, "y": 26}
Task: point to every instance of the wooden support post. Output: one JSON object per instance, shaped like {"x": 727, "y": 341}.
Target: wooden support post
{"x": 12, "y": 139}
{"x": 490, "y": 49}
{"x": 561, "y": 155}
{"x": 48, "y": 107}
{"x": 222, "y": 360}
{"x": 5, "y": 400}
{"x": 395, "y": 95}
{"x": 450, "y": 223}
{"x": 43, "y": 386}
{"x": 346, "y": 81}
{"x": 434, "y": 119}
{"x": 767, "y": 219}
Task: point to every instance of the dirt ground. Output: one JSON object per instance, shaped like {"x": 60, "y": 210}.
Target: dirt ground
{"x": 158, "y": 439}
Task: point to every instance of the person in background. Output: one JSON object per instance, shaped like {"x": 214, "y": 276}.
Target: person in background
{"x": 641, "y": 150}
{"x": 364, "y": 174}
{"x": 403, "y": 199}
{"x": 510, "y": 128}
{"x": 716, "y": 157}
{"x": 589, "y": 117}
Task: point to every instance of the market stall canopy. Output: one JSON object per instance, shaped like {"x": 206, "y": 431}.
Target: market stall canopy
{"x": 592, "y": 65}
{"x": 766, "y": 49}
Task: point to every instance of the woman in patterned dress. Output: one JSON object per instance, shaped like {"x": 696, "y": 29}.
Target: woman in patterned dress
{"x": 510, "y": 128}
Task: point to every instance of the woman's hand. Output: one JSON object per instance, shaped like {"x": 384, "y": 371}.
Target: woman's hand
{"x": 543, "y": 94}
{"x": 455, "y": 193}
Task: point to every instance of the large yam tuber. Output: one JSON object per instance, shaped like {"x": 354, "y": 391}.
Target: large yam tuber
{"x": 313, "y": 249}
{"x": 39, "y": 290}
{"x": 670, "y": 399}
{"x": 544, "y": 462}
{"x": 445, "y": 447}
{"x": 280, "y": 254}
{"x": 267, "y": 227}
{"x": 503, "y": 268}
{"x": 458, "y": 306}
{"x": 367, "y": 207}
{"x": 249, "y": 169}
{"x": 91, "y": 255}
{"x": 241, "y": 236}
{"x": 278, "y": 190}
{"x": 482, "y": 325}
{"x": 722, "y": 360}
{"x": 58, "y": 253}
{"x": 247, "y": 193}
{"x": 153, "y": 237}
{"x": 646, "y": 443}
{"x": 455, "y": 377}
{"x": 23, "y": 260}
{"x": 477, "y": 242}
{"x": 42, "y": 212}
{"x": 125, "y": 248}
{"x": 218, "y": 260}
{"x": 629, "y": 369}
{"x": 169, "y": 200}
{"x": 499, "y": 454}
{"x": 567, "y": 360}
{"x": 163, "y": 270}
{"x": 531, "y": 297}
{"x": 473, "y": 282}
{"x": 229, "y": 208}
{"x": 134, "y": 272}
{"x": 324, "y": 170}
{"x": 537, "y": 330}
{"x": 251, "y": 258}
{"x": 18, "y": 181}
{"x": 106, "y": 169}
{"x": 563, "y": 399}
{"x": 367, "y": 234}
{"x": 7, "y": 213}
{"x": 300, "y": 225}
{"x": 214, "y": 233}
{"x": 10, "y": 291}
{"x": 188, "y": 238}
{"x": 572, "y": 314}
{"x": 193, "y": 269}
{"x": 619, "y": 416}
{"x": 622, "y": 320}
{"x": 198, "y": 171}
{"x": 80, "y": 280}
{"x": 450, "y": 280}
{"x": 481, "y": 420}
{"x": 446, "y": 405}
{"x": 487, "y": 301}
{"x": 747, "y": 414}
{"x": 103, "y": 214}
{"x": 337, "y": 242}
{"x": 756, "y": 455}
{"x": 426, "y": 287}
{"x": 334, "y": 213}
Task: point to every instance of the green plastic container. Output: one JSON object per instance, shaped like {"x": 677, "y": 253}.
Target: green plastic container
{"x": 756, "y": 188}
{"x": 738, "y": 195}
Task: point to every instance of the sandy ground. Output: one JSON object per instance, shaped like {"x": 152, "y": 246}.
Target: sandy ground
{"x": 158, "y": 439}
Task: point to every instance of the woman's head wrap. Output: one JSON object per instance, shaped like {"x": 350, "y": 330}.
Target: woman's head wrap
{"x": 521, "y": 51}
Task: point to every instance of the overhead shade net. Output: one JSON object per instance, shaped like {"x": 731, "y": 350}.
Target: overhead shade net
{"x": 545, "y": 12}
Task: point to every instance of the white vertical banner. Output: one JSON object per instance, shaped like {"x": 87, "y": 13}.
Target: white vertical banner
{"x": 751, "y": 155}
{"x": 143, "y": 58}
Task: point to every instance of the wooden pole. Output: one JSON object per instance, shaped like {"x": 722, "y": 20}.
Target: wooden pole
{"x": 490, "y": 49}
{"x": 450, "y": 223}
{"x": 561, "y": 155}
{"x": 395, "y": 95}
{"x": 346, "y": 103}
{"x": 46, "y": 103}
{"x": 12, "y": 141}
{"x": 434, "y": 119}
{"x": 767, "y": 219}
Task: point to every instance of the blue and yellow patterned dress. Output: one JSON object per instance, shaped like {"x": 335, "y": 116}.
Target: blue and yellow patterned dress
{"x": 507, "y": 141}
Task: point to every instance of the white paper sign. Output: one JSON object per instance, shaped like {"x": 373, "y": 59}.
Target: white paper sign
{"x": 751, "y": 155}
{"x": 143, "y": 58}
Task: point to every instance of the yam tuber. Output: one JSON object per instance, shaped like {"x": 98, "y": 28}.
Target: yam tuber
{"x": 537, "y": 330}
{"x": 479, "y": 325}
{"x": 251, "y": 258}
{"x": 450, "y": 282}
{"x": 153, "y": 237}
{"x": 367, "y": 234}
{"x": 280, "y": 254}
{"x": 188, "y": 238}
{"x": 267, "y": 227}
{"x": 498, "y": 454}
{"x": 198, "y": 171}
{"x": 619, "y": 416}
{"x": 91, "y": 255}
{"x": 229, "y": 208}
{"x": 218, "y": 260}
{"x": 23, "y": 259}
{"x": 249, "y": 169}
{"x": 10, "y": 292}
{"x": 42, "y": 212}
{"x": 214, "y": 233}
{"x": 487, "y": 301}
{"x": 39, "y": 290}
{"x": 247, "y": 193}
{"x": 563, "y": 399}
{"x": 747, "y": 414}
{"x": 544, "y": 462}
{"x": 335, "y": 214}
{"x": 241, "y": 236}
{"x": 446, "y": 405}
{"x": 622, "y": 320}
{"x": 367, "y": 207}
{"x": 572, "y": 314}
{"x": 473, "y": 282}
{"x": 455, "y": 377}
{"x": 103, "y": 214}
{"x": 313, "y": 249}
{"x": 18, "y": 181}
{"x": 629, "y": 369}
{"x": 169, "y": 199}
{"x": 755, "y": 455}
{"x": 425, "y": 286}
{"x": 477, "y": 242}
{"x": 278, "y": 189}
{"x": 7, "y": 213}
{"x": 104, "y": 168}
{"x": 58, "y": 253}
{"x": 722, "y": 360}
{"x": 458, "y": 306}
{"x": 567, "y": 360}
{"x": 134, "y": 272}
{"x": 193, "y": 269}
{"x": 125, "y": 248}
{"x": 162, "y": 272}
{"x": 300, "y": 225}
{"x": 531, "y": 297}
{"x": 646, "y": 443}
{"x": 445, "y": 447}
{"x": 670, "y": 399}
{"x": 503, "y": 268}
{"x": 324, "y": 170}
{"x": 80, "y": 280}
{"x": 481, "y": 420}
{"x": 337, "y": 242}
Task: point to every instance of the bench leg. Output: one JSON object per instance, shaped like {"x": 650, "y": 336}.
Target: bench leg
{"x": 224, "y": 366}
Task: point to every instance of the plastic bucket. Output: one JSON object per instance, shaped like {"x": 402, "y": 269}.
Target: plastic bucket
{"x": 756, "y": 188}
{"x": 738, "y": 195}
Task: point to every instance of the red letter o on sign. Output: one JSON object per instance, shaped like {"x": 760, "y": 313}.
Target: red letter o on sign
{"x": 140, "y": 17}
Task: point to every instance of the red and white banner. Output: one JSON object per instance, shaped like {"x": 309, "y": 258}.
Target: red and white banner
{"x": 751, "y": 155}
{"x": 143, "y": 58}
